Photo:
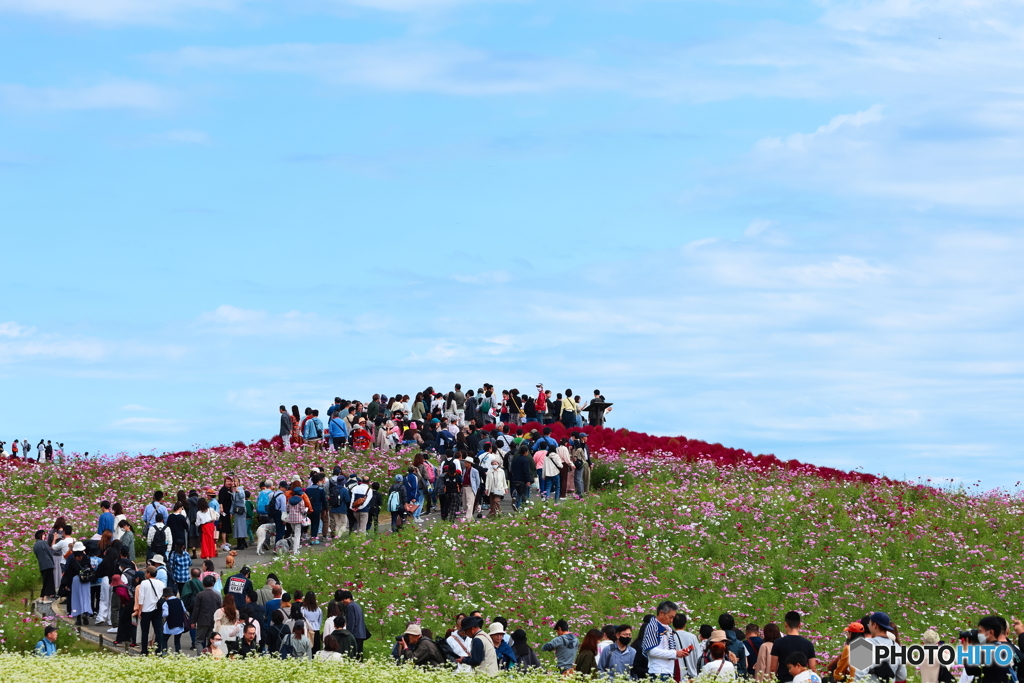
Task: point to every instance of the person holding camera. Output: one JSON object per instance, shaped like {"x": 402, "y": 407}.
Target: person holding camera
{"x": 419, "y": 648}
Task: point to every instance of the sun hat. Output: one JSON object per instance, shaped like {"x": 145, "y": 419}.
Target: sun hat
{"x": 294, "y": 500}
{"x": 472, "y": 622}
{"x": 157, "y": 559}
{"x": 855, "y": 627}
{"x": 78, "y": 547}
{"x": 413, "y": 630}
{"x": 718, "y": 636}
{"x": 882, "y": 620}
{"x": 495, "y": 629}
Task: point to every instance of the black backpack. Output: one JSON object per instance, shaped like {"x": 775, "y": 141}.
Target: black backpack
{"x": 334, "y": 493}
{"x": 160, "y": 538}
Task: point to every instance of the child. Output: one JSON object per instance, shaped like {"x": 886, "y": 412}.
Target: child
{"x": 796, "y": 662}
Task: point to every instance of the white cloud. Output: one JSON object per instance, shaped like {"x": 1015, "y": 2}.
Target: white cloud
{"x": 115, "y": 11}
{"x": 110, "y": 95}
{"x": 801, "y": 142}
{"x": 13, "y": 329}
{"x": 401, "y": 66}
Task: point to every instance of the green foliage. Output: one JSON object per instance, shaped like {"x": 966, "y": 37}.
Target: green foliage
{"x": 610, "y": 476}
{"x": 22, "y": 579}
{"x": 20, "y": 630}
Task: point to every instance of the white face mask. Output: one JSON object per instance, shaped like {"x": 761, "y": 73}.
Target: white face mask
{"x": 982, "y": 639}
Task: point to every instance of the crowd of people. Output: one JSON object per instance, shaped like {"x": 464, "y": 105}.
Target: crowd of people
{"x": 46, "y": 450}
{"x": 390, "y": 422}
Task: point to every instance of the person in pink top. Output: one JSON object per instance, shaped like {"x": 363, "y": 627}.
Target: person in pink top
{"x": 538, "y": 461}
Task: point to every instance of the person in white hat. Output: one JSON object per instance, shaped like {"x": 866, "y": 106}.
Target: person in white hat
{"x": 419, "y": 648}
{"x": 161, "y": 568}
{"x": 81, "y": 591}
{"x": 502, "y": 650}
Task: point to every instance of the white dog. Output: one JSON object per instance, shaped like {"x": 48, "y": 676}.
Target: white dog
{"x": 264, "y": 537}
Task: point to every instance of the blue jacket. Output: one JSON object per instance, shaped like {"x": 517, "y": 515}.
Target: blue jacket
{"x": 412, "y": 486}
{"x": 106, "y": 523}
{"x": 44, "y": 648}
{"x": 317, "y": 498}
{"x": 346, "y": 499}
{"x": 313, "y": 425}
{"x": 337, "y": 427}
{"x": 545, "y": 442}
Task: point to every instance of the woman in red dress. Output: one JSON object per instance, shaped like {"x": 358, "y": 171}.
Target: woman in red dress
{"x": 296, "y": 433}
{"x": 207, "y": 534}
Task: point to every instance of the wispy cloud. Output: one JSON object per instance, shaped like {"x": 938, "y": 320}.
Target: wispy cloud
{"x": 401, "y": 66}
{"x": 110, "y": 95}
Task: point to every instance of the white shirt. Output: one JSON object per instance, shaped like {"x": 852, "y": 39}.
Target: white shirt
{"x": 362, "y": 490}
{"x": 601, "y": 645}
{"x": 149, "y": 593}
{"x": 462, "y": 647}
{"x": 807, "y": 676}
{"x": 723, "y": 668}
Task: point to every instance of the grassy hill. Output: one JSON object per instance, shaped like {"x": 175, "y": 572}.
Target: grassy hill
{"x": 714, "y": 532}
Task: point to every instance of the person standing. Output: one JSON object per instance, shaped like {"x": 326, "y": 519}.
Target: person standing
{"x": 616, "y": 660}
{"x": 496, "y": 488}
{"x": 564, "y": 645}
{"x": 318, "y": 500}
{"x": 106, "y": 519}
{"x": 45, "y": 558}
{"x": 147, "y": 597}
{"x": 206, "y": 520}
{"x": 354, "y": 620}
{"x": 362, "y": 497}
{"x": 285, "y": 430}
{"x": 338, "y": 498}
{"x": 482, "y": 657}
{"x": 157, "y": 538}
{"x": 658, "y": 642}
{"x": 790, "y": 643}
{"x": 239, "y": 517}
{"x": 224, "y": 496}
{"x": 156, "y": 507}
{"x": 207, "y": 602}
{"x": 689, "y": 664}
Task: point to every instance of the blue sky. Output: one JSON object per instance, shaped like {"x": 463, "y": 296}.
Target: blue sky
{"x": 786, "y": 227}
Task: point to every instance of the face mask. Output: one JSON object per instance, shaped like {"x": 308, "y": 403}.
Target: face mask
{"x": 982, "y": 639}
{"x": 624, "y": 640}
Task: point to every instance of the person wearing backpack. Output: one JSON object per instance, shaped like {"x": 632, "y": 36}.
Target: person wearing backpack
{"x": 396, "y": 500}
{"x": 192, "y": 588}
{"x": 157, "y": 538}
{"x": 338, "y": 500}
{"x": 313, "y": 431}
{"x": 296, "y": 644}
{"x": 362, "y": 498}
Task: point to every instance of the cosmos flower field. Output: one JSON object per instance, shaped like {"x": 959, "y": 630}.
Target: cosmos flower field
{"x": 712, "y": 528}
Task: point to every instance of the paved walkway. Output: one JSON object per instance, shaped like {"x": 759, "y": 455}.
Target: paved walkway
{"x": 100, "y": 636}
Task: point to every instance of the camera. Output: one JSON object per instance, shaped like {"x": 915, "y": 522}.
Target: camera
{"x": 970, "y": 636}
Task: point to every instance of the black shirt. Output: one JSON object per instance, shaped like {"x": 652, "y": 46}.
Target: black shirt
{"x": 787, "y": 645}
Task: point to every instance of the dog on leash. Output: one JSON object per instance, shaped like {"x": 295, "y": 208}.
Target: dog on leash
{"x": 264, "y": 537}
{"x": 229, "y": 561}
